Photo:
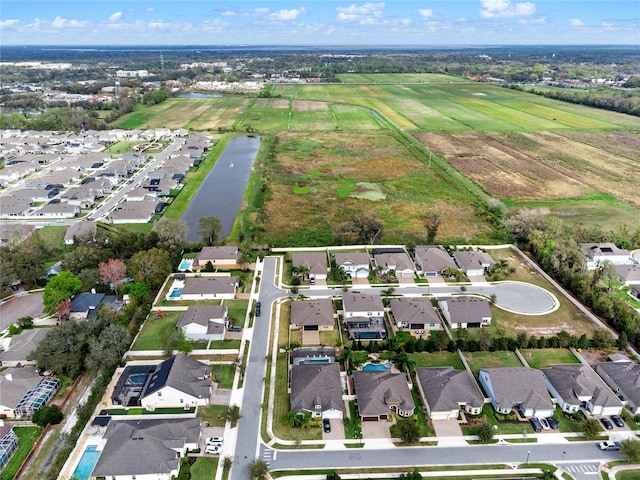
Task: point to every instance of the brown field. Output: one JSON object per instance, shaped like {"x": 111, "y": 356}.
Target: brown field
{"x": 278, "y": 103}
{"x": 544, "y": 165}
{"x": 305, "y": 106}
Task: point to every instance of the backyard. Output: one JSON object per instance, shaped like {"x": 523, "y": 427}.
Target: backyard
{"x": 478, "y": 360}
{"x": 543, "y": 358}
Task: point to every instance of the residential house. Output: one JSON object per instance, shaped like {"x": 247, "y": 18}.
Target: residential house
{"x": 474, "y": 264}
{"x": 56, "y": 208}
{"x": 363, "y": 316}
{"x": 206, "y": 288}
{"x": 14, "y": 207}
{"x": 313, "y": 355}
{"x": 86, "y": 305}
{"x": 312, "y": 315}
{"x": 354, "y": 264}
{"x": 316, "y": 388}
{"x": 12, "y": 234}
{"x": 133, "y": 212}
{"x": 445, "y": 391}
{"x": 577, "y": 385}
{"x": 624, "y": 379}
{"x": 315, "y": 263}
{"x": 433, "y": 260}
{"x": 634, "y": 292}
{"x": 399, "y": 262}
{"x": 517, "y": 388}
{"x": 226, "y": 256}
{"x": 15, "y": 382}
{"x": 8, "y": 445}
{"x": 146, "y": 449}
{"x": 179, "y": 381}
{"x": 206, "y": 322}
{"x": 415, "y": 313}
{"x": 466, "y": 312}
{"x": 82, "y": 228}
{"x": 629, "y": 274}
{"x": 597, "y": 253}
{"x": 15, "y": 350}
{"x": 382, "y": 393}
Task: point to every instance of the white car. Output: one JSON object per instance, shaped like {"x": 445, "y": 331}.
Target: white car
{"x": 213, "y": 449}
{"x": 215, "y": 441}
{"x": 544, "y": 423}
{"x": 609, "y": 445}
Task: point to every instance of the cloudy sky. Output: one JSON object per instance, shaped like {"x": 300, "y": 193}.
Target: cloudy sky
{"x": 325, "y": 22}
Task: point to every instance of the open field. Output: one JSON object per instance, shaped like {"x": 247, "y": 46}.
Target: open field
{"x": 320, "y": 180}
{"x": 478, "y": 360}
{"x": 400, "y": 78}
{"x": 546, "y": 357}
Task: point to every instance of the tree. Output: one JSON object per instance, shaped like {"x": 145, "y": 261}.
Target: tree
{"x": 526, "y": 220}
{"x": 258, "y": 469}
{"x": 64, "y": 309}
{"x": 25, "y": 322}
{"x": 591, "y": 428}
{"x": 366, "y": 229}
{"x": 415, "y": 475}
{"x": 107, "y": 350}
{"x": 402, "y": 362}
{"x": 112, "y": 273}
{"x": 602, "y": 338}
{"x": 138, "y": 292}
{"x": 233, "y": 415}
{"x": 47, "y": 415}
{"x": 407, "y": 430}
{"x": 171, "y": 233}
{"x": 208, "y": 229}
{"x": 63, "y": 349}
{"x": 61, "y": 287}
{"x": 245, "y": 255}
{"x": 630, "y": 449}
{"x": 333, "y": 476}
{"x": 150, "y": 267}
{"x": 484, "y": 431}
{"x": 432, "y": 225}
{"x": 80, "y": 258}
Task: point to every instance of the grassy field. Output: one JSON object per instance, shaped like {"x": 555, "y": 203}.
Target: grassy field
{"x": 396, "y": 78}
{"x": 156, "y": 331}
{"x": 204, "y": 468}
{"x": 478, "y": 360}
{"x": 548, "y": 356}
{"x": 27, "y": 437}
{"x": 437, "y": 359}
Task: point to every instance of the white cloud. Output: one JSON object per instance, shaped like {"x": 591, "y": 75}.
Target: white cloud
{"x": 365, "y": 13}
{"x": 149, "y": 9}
{"x": 9, "y": 22}
{"x": 158, "y": 24}
{"x": 61, "y": 22}
{"x": 576, "y": 22}
{"x": 287, "y": 14}
{"x": 533, "y": 21}
{"x": 506, "y": 9}
{"x": 425, "y": 13}
{"x": 114, "y": 17}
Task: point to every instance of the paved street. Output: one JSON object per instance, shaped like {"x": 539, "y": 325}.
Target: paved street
{"x": 25, "y": 305}
{"x": 581, "y": 471}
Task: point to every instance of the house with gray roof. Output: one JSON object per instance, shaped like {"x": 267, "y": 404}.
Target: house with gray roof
{"x": 15, "y": 382}
{"x": 354, "y": 264}
{"x": 179, "y": 381}
{"x": 577, "y": 385}
{"x": 86, "y": 305}
{"x": 204, "y": 322}
{"x": 624, "y": 379}
{"x": 415, "y": 313}
{"x": 465, "y": 311}
{"x": 312, "y": 315}
{"x": 517, "y": 388}
{"x": 133, "y": 212}
{"x": 634, "y": 292}
{"x": 315, "y": 263}
{"x": 146, "y": 448}
{"x": 597, "y": 253}
{"x": 18, "y": 347}
{"x": 629, "y": 274}
{"x": 208, "y": 288}
{"x": 382, "y": 393}
{"x": 433, "y": 260}
{"x": 445, "y": 391}
{"x": 399, "y": 262}
{"x": 223, "y": 256}
{"x": 473, "y": 264}
{"x": 363, "y": 316}
{"x": 316, "y": 388}
{"x": 84, "y": 227}
{"x": 56, "y": 208}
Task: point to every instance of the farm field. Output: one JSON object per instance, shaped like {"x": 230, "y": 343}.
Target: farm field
{"x": 400, "y": 78}
{"x": 320, "y": 180}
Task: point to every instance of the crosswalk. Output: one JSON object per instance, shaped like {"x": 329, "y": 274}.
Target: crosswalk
{"x": 268, "y": 455}
{"x": 579, "y": 469}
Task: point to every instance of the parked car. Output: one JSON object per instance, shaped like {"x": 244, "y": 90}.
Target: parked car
{"x": 553, "y": 423}
{"x": 215, "y": 441}
{"x": 212, "y": 449}
{"x": 617, "y": 420}
{"x": 258, "y": 305}
{"x": 543, "y": 423}
{"x": 535, "y": 423}
{"x": 607, "y": 423}
{"x": 235, "y": 328}
{"x": 326, "y": 425}
{"x": 609, "y": 445}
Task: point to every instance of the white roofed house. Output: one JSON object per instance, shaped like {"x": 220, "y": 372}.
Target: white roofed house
{"x": 56, "y": 208}
{"x": 179, "y": 381}
{"x": 597, "y": 253}
{"x": 204, "y": 288}
{"x": 204, "y": 323}
{"x": 399, "y": 262}
{"x": 354, "y": 264}
{"x": 363, "y": 316}
{"x": 466, "y": 311}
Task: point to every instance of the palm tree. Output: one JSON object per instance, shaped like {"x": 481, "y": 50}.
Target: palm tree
{"x": 403, "y": 363}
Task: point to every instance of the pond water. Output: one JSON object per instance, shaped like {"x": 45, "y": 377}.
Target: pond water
{"x": 200, "y": 95}
{"x": 220, "y": 195}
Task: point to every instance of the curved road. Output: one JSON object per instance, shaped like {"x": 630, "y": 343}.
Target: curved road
{"x": 515, "y": 296}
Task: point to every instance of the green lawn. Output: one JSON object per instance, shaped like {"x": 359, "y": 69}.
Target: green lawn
{"x": 204, "y": 468}
{"x": 568, "y": 423}
{"x": 214, "y": 415}
{"x": 437, "y": 359}
{"x": 488, "y": 415}
{"x": 224, "y": 374}
{"x": 52, "y": 237}
{"x": 478, "y": 360}
{"x": 156, "y": 331}
{"x": 628, "y": 475}
{"x": 224, "y": 345}
{"x": 27, "y": 437}
{"x": 542, "y": 358}
{"x": 237, "y": 310}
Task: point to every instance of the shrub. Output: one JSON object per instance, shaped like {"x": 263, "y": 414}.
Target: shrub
{"x": 47, "y": 415}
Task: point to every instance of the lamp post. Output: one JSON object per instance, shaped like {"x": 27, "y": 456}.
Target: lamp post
{"x": 528, "y": 453}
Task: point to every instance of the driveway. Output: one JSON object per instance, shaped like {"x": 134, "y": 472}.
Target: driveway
{"x": 449, "y": 433}
{"x": 310, "y": 337}
{"x": 25, "y": 305}
{"x": 379, "y": 429}
{"x": 337, "y": 430}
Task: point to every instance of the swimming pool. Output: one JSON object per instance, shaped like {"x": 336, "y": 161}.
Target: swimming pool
{"x": 317, "y": 360}
{"x": 137, "y": 379}
{"x": 175, "y": 293}
{"x": 87, "y": 462}
{"x": 186, "y": 264}
{"x": 373, "y": 367}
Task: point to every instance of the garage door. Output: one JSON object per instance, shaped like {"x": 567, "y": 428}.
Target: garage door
{"x": 311, "y": 328}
